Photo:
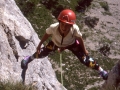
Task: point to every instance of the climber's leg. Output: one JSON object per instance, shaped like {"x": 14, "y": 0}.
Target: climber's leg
{"x": 45, "y": 51}
{"x": 87, "y": 60}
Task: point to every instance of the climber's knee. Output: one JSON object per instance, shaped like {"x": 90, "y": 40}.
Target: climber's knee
{"x": 93, "y": 64}
{"x": 89, "y": 62}
{"x": 43, "y": 53}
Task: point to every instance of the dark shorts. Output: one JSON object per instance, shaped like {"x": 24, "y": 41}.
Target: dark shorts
{"x": 74, "y": 48}
{"x": 51, "y": 47}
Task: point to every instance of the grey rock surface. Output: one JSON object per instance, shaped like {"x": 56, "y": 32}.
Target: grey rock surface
{"x": 17, "y": 40}
{"x": 113, "y": 82}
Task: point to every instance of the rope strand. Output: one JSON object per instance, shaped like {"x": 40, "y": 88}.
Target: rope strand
{"x": 61, "y": 68}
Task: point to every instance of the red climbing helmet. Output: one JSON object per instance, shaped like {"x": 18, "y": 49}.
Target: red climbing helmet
{"x": 67, "y": 16}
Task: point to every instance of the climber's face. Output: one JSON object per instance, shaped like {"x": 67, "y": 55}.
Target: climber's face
{"x": 65, "y": 27}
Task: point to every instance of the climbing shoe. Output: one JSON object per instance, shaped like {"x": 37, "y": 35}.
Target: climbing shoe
{"x": 104, "y": 74}
{"x": 24, "y": 62}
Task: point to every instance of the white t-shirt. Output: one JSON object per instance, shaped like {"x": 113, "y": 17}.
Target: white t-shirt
{"x": 69, "y": 39}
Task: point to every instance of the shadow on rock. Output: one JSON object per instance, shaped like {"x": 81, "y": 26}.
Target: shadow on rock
{"x": 23, "y": 75}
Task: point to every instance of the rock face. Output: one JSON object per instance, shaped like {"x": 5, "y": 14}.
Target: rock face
{"x": 113, "y": 82}
{"x": 17, "y": 40}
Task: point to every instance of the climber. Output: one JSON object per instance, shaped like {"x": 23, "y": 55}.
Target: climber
{"x": 65, "y": 34}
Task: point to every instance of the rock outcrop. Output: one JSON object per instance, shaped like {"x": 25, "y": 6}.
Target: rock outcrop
{"x": 113, "y": 82}
{"x": 17, "y": 40}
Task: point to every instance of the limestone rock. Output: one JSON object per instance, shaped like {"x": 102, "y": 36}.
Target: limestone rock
{"x": 113, "y": 81}
{"x": 17, "y": 40}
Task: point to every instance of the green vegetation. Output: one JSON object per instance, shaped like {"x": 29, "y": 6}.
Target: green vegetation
{"x": 15, "y": 86}
{"x": 94, "y": 88}
{"x": 104, "y": 5}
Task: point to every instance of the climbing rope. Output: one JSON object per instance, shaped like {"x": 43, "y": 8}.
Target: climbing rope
{"x": 61, "y": 68}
